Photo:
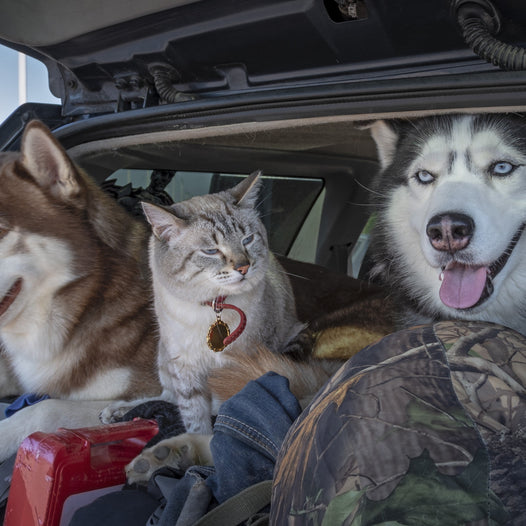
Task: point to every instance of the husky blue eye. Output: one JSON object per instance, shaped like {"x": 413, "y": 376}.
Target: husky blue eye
{"x": 210, "y": 251}
{"x": 424, "y": 177}
{"x": 502, "y": 168}
{"x": 248, "y": 240}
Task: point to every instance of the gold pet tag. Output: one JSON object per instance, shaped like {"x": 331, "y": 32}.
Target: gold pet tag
{"x": 216, "y": 334}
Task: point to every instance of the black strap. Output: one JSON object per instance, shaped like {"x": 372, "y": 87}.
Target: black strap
{"x": 240, "y": 507}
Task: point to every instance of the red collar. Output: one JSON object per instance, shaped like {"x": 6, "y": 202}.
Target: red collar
{"x": 218, "y": 304}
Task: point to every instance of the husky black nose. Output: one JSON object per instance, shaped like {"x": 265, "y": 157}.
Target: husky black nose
{"x": 450, "y": 232}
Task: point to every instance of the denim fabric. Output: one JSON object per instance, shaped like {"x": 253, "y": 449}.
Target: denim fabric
{"x": 187, "y": 498}
{"x": 248, "y": 433}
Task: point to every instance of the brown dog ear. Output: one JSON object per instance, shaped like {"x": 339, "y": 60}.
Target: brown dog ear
{"x": 48, "y": 163}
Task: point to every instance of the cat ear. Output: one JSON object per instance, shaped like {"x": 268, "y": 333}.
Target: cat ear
{"x": 164, "y": 224}
{"x": 386, "y": 139}
{"x": 48, "y": 162}
{"x": 246, "y": 192}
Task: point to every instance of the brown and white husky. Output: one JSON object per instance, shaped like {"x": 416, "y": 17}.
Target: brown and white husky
{"x": 76, "y": 321}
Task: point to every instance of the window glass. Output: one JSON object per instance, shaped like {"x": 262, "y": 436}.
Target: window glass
{"x": 284, "y": 203}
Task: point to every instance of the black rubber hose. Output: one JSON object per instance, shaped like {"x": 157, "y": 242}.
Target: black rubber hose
{"x": 506, "y": 56}
{"x": 478, "y": 22}
{"x": 163, "y": 81}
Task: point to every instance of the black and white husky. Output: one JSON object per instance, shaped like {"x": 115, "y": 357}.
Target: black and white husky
{"x": 451, "y": 212}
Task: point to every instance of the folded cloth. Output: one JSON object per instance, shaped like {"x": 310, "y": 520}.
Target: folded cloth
{"x": 23, "y": 401}
{"x": 166, "y": 415}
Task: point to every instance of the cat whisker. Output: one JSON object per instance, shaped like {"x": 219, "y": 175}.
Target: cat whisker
{"x": 354, "y": 203}
{"x": 262, "y": 199}
{"x": 206, "y": 279}
{"x": 369, "y": 189}
{"x": 292, "y": 274}
{"x": 270, "y": 213}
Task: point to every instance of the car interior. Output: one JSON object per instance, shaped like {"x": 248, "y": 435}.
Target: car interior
{"x": 316, "y": 176}
{"x": 209, "y": 92}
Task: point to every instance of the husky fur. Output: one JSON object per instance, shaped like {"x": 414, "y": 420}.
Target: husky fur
{"x": 76, "y": 321}
{"x": 451, "y": 211}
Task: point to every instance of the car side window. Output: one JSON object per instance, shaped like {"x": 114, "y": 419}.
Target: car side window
{"x": 290, "y": 207}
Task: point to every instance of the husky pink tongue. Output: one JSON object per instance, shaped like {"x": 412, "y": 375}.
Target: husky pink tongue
{"x": 462, "y": 286}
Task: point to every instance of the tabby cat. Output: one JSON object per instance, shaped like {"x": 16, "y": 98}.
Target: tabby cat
{"x": 212, "y": 269}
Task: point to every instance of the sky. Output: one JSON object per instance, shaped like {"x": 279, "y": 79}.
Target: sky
{"x": 37, "y": 82}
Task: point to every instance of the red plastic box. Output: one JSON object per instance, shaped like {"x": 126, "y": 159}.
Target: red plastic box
{"x": 56, "y": 473}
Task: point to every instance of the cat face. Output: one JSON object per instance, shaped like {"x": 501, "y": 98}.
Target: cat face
{"x": 210, "y": 245}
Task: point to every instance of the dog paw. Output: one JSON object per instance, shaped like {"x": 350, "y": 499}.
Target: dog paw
{"x": 178, "y": 452}
{"x": 115, "y": 411}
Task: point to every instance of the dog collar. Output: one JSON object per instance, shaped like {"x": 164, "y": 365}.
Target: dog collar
{"x": 219, "y": 335}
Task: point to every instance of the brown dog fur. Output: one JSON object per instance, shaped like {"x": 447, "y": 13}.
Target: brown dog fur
{"x": 103, "y": 312}
{"x": 81, "y": 326}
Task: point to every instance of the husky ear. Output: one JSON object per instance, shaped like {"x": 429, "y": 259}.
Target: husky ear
{"x": 246, "y": 192}
{"x": 48, "y": 163}
{"x": 164, "y": 223}
{"x": 386, "y": 139}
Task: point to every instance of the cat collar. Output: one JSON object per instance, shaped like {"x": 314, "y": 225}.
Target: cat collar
{"x": 219, "y": 335}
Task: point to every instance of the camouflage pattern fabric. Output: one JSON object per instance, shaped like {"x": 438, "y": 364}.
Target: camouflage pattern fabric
{"x": 425, "y": 427}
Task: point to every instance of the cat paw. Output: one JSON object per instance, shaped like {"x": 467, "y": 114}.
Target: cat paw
{"x": 115, "y": 411}
{"x": 179, "y": 452}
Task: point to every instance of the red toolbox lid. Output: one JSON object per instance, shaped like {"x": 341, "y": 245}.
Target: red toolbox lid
{"x": 52, "y": 467}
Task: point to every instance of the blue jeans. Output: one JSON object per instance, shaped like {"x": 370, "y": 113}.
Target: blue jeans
{"x": 248, "y": 433}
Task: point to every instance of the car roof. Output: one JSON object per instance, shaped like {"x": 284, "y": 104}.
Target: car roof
{"x": 107, "y": 56}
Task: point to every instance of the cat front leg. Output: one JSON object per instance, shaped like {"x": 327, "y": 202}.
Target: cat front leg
{"x": 179, "y": 452}
{"x": 196, "y": 412}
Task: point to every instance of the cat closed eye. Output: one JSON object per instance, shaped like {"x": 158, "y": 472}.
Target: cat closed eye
{"x": 248, "y": 240}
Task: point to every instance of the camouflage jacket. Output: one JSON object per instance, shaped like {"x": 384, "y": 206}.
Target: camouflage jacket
{"x": 425, "y": 427}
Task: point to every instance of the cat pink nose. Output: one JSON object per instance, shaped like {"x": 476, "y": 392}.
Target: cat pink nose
{"x": 242, "y": 269}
